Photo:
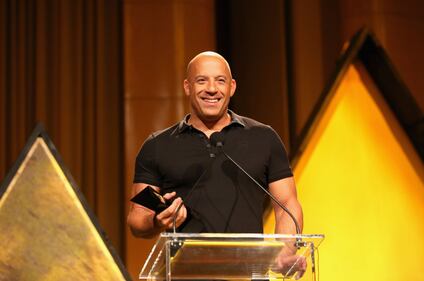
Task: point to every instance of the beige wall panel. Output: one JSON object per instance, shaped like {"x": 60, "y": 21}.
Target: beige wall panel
{"x": 149, "y": 52}
{"x": 160, "y": 37}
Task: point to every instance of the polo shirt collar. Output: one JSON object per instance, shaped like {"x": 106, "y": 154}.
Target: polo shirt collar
{"x": 235, "y": 120}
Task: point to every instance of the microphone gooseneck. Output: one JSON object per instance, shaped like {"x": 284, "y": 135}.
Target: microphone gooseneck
{"x": 174, "y": 218}
{"x": 217, "y": 140}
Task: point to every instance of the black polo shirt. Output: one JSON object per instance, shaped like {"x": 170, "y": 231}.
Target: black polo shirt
{"x": 223, "y": 199}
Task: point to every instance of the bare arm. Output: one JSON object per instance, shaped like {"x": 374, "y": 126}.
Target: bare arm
{"x": 284, "y": 191}
{"x": 144, "y": 223}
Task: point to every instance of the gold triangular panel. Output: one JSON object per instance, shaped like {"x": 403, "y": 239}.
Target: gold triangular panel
{"x": 46, "y": 232}
{"x": 360, "y": 174}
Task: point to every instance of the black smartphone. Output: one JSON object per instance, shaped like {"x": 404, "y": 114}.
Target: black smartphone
{"x": 151, "y": 199}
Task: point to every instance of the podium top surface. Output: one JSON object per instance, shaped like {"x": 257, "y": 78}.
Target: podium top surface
{"x": 235, "y": 236}
{"x": 222, "y": 256}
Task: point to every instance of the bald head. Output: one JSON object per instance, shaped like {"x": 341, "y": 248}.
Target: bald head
{"x": 202, "y": 57}
{"x": 209, "y": 86}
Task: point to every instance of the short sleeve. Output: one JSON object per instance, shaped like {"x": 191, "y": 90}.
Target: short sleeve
{"x": 278, "y": 165}
{"x": 145, "y": 165}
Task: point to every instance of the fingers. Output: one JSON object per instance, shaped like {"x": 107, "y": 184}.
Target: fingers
{"x": 168, "y": 213}
{"x": 165, "y": 219}
{"x": 291, "y": 264}
{"x": 301, "y": 268}
{"x": 287, "y": 261}
{"x": 169, "y": 196}
{"x": 299, "y": 274}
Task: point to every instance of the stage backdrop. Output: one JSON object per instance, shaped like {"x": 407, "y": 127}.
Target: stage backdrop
{"x": 361, "y": 183}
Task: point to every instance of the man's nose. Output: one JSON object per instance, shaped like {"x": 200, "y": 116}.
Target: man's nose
{"x": 211, "y": 87}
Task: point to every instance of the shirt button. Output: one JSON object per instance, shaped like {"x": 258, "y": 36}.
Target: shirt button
{"x": 208, "y": 145}
{"x": 212, "y": 155}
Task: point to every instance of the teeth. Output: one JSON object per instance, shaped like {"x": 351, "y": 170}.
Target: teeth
{"x": 211, "y": 100}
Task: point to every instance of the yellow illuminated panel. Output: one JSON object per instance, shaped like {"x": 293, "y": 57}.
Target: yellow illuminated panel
{"x": 360, "y": 183}
{"x": 46, "y": 233}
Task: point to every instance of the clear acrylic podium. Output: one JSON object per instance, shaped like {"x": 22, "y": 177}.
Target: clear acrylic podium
{"x": 224, "y": 256}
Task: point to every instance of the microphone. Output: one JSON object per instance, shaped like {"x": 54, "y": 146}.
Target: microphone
{"x": 217, "y": 139}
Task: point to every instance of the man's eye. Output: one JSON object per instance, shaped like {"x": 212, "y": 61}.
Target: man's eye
{"x": 221, "y": 80}
{"x": 201, "y": 81}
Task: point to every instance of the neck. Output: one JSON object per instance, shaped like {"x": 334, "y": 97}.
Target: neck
{"x": 209, "y": 127}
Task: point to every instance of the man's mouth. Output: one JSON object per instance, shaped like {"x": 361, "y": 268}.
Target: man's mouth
{"x": 211, "y": 100}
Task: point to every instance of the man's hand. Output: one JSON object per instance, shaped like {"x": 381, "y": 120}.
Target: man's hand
{"x": 288, "y": 263}
{"x": 164, "y": 220}
{"x": 145, "y": 223}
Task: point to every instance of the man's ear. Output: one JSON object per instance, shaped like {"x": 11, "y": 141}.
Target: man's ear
{"x": 233, "y": 87}
{"x": 186, "y": 87}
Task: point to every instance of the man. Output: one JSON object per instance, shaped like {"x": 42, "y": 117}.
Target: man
{"x": 182, "y": 163}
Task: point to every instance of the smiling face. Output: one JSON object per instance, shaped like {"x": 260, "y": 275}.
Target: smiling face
{"x": 209, "y": 86}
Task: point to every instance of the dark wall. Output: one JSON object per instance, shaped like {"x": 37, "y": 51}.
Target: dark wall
{"x": 283, "y": 53}
{"x": 252, "y": 35}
